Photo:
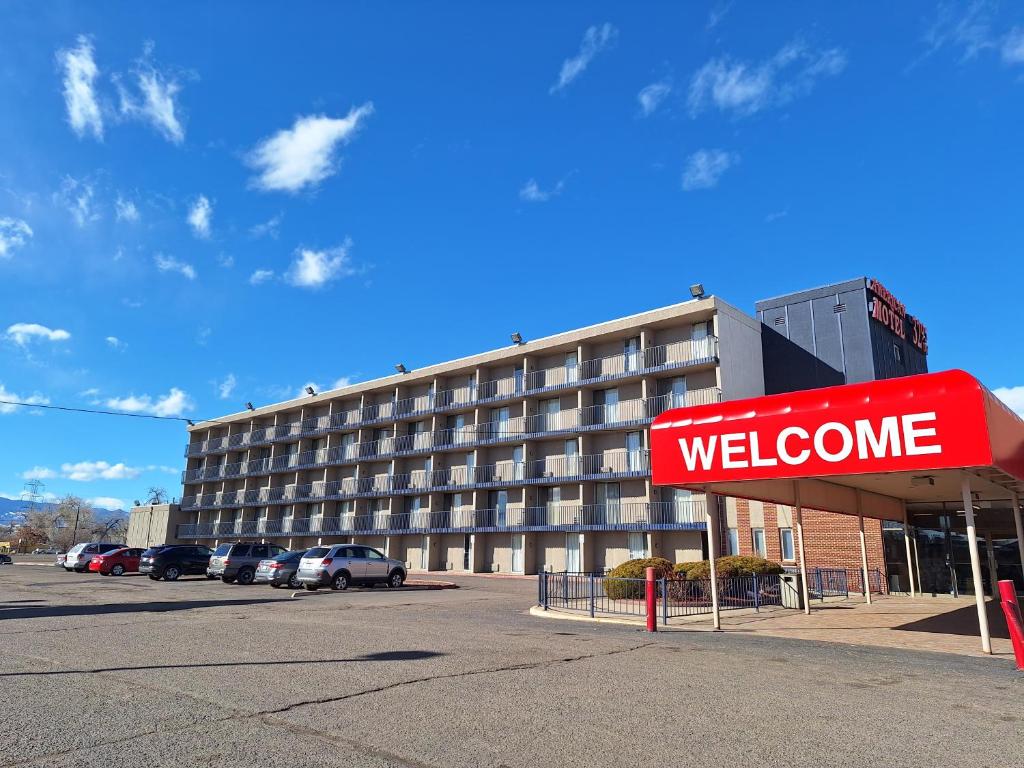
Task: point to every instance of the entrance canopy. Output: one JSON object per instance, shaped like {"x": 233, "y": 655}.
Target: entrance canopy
{"x": 864, "y": 448}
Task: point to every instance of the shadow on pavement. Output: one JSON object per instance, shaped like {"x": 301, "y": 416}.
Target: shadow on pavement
{"x": 962, "y": 621}
{"x": 163, "y": 606}
{"x": 381, "y": 656}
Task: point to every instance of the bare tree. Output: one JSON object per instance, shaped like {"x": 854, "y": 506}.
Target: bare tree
{"x": 156, "y": 495}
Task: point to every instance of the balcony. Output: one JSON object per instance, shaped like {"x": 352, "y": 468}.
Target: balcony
{"x": 624, "y": 516}
{"x": 679, "y": 354}
{"x": 626, "y": 414}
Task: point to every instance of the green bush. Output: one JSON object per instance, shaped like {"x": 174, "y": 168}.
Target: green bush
{"x": 682, "y": 570}
{"x": 732, "y": 566}
{"x": 634, "y": 569}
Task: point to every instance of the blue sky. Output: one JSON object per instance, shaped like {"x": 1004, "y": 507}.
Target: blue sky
{"x": 204, "y": 204}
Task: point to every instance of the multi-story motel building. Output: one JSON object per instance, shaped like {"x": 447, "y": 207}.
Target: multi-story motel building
{"x": 529, "y": 457}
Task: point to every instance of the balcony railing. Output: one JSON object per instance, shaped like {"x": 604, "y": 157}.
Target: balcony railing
{"x": 517, "y": 428}
{"x": 550, "y": 470}
{"x": 652, "y": 359}
{"x": 680, "y": 515}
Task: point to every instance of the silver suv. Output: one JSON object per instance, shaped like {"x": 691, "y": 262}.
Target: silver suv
{"x": 237, "y": 561}
{"x": 341, "y": 565}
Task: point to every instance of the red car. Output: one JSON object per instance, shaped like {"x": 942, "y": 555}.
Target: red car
{"x": 117, "y": 562}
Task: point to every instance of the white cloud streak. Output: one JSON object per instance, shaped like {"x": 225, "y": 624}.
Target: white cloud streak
{"x": 305, "y": 154}
{"x": 1013, "y": 397}
{"x": 14, "y": 233}
{"x": 175, "y": 403}
{"x": 531, "y": 191}
{"x": 7, "y": 395}
{"x": 314, "y": 269}
{"x": 125, "y": 210}
{"x": 227, "y": 387}
{"x": 269, "y": 228}
{"x": 199, "y": 217}
{"x": 24, "y": 333}
{"x": 651, "y": 96}
{"x": 77, "y": 196}
{"x": 705, "y": 167}
{"x": 742, "y": 89}
{"x": 106, "y": 502}
{"x": 260, "y": 276}
{"x": 595, "y": 40}
{"x": 115, "y": 342}
{"x": 79, "y": 79}
{"x": 155, "y": 103}
{"x": 171, "y": 264}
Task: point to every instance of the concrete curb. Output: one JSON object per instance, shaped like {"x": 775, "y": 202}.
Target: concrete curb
{"x": 539, "y": 612}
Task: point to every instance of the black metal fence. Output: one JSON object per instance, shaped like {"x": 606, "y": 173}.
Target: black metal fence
{"x": 823, "y": 583}
{"x": 599, "y": 594}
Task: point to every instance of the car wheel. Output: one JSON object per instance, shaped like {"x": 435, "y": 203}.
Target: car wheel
{"x": 310, "y": 587}
{"x": 275, "y": 585}
{"x": 293, "y": 581}
{"x": 154, "y": 577}
{"x": 101, "y": 573}
{"x": 246, "y": 576}
{"x": 228, "y": 579}
{"x": 396, "y": 579}
{"x": 117, "y": 570}
{"x": 172, "y": 572}
{"x": 210, "y": 576}
{"x": 340, "y": 581}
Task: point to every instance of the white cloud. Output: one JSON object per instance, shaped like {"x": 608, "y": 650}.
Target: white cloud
{"x": 39, "y": 473}
{"x": 80, "y": 73}
{"x": 964, "y": 27}
{"x": 344, "y": 381}
{"x": 199, "y": 216}
{"x": 106, "y": 502}
{"x": 13, "y": 234}
{"x": 314, "y": 269}
{"x": 23, "y": 333}
{"x": 269, "y": 228}
{"x": 125, "y": 210}
{"x": 1013, "y": 46}
{"x": 705, "y": 167}
{"x": 716, "y": 15}
{"x": 304, "y": 155}
{"x": 87, "y": 471}
{"x": 171, "y": 264}
{"x": 77, "y": 196}
{"x": 115, "y": 342}
{"x": 156, "y": 104}
{"x": 743, "y": 89}
{"x": 226, "y": 260}
{"x": 174, "y": 403}
{"x": 1013, "y": 397}
{"x": 595, "y": 40}
{"x": 651, "y": 96}
{"x": 260, "y": 276}
{"x": 531, "y": 191}
{"x": 226, "y": 387}
{"x": 8, "y": 397}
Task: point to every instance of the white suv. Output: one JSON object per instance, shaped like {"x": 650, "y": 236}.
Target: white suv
{"x": 78, "y": 557}
{"x": 341, "y": 565}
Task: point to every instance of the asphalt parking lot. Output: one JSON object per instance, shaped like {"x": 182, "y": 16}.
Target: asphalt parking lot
{"x": 101, "y": 671}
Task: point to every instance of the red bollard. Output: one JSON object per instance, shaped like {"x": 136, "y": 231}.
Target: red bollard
{"x": 1011, "y": 610}
{"x": 652, "y": 601}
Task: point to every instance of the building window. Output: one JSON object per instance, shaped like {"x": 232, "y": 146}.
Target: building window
{"x": 637, "y": 545}
{"x": 734, "y": 541}
{"x": 786, "y": 543}
{"x": 757, "y": 539}
{"x": 897, "y": 352}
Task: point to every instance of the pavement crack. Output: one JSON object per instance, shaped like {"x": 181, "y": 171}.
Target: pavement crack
{"x": 454, "y": 675}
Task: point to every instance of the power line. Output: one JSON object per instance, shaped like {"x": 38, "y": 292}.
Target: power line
{"x": 101, "y": 412}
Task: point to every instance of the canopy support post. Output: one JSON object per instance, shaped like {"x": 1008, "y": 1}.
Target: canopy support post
{"x": 910, "y": 557}
{"x": 800, "y": 544}
{"x": 972, "y": 543}
{"x": 711, "y": 509}
{"x": 863, "y": 552}
{"x": 993, "y": 568}
{"x": 1020, "y": 528}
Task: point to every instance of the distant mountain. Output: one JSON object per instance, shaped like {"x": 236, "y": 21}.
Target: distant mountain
{"x": 12, "y": 508}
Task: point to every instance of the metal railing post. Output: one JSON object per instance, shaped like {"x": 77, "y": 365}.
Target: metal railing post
{"x": 664, "y": 601}
{"x": 757, "y": 596}
{"x": 591, "y": 588}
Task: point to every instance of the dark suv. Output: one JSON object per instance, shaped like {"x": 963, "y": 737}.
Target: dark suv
{"x": 169, "y": 561}
{"x": 238, "y": 560}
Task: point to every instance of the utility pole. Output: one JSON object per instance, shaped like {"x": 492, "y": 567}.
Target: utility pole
{"x": 78, "y": 511}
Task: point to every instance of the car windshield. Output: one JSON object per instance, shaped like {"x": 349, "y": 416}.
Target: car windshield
{"x": 223, "y": 549}
{"x": 76, "y": 549}
{"x": 153, "y": 551}
{"x": 316, "y": 552}
{"x": 287, "y": 557}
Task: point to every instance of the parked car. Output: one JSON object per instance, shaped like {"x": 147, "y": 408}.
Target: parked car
{"x": 78, "y": 557}
{"x": 46, "y": 551}
{"x": 281, "y": 570}
{"x": 117, "y": 562}
{"x": 238, "y": 560}
{"x": 59, "y": 561}
{"x": 341, "y": 565}
{"x": 5, "y": 559}
{"x": 169, "y": 561}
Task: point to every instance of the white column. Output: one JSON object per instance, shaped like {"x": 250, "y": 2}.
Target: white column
{"x": 711, "y": 509}
{"x": 1020, "y": 528}
{"x": 972, "y": 543}
{"x": 800, "y": 544}
{"x": 863, "y": 552}
{"x": 910, "y": 558}
{"x": 917, "y": 563}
